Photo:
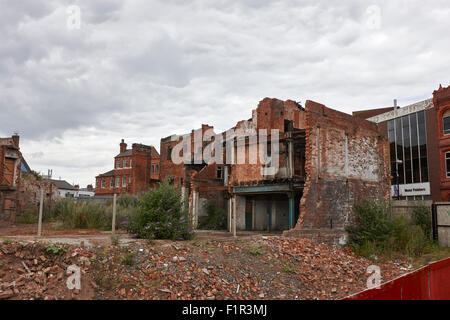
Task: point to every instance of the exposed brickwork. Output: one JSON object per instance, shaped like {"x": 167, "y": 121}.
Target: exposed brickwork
{"x": 270, "y": 114}
{"x": 347, "y": 160}
{"x": 10, "y": 178}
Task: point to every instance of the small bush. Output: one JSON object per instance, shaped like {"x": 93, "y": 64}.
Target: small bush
{"x": 408, "y": 238}
{"x": 372, "y": 225}
{"x": 216, "y": 218}
{"x": 421, "y": 217}
{"x": 55, "y": 249}
{"x": 160, "y": 215}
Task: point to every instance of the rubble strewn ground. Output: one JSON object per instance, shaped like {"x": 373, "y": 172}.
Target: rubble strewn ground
{"x": 255, "y": 267}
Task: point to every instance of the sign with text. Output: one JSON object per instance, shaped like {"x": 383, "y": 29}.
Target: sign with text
{"x": 416, "y": 189}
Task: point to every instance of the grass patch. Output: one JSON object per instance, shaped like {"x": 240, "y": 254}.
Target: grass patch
{"x": 114, "y": 240}
{"x": 288, "y": 268}
{"x": 128, "y": 259}
{"x": 256, "y": 251}
{"x": 55, "y": 249}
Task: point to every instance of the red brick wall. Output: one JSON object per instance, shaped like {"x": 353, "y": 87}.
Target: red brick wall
{"x": 434, "y": 165}
{"x": 441, "y": 100}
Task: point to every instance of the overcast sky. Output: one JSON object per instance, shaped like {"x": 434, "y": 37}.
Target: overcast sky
{"x": 143, "y": 70}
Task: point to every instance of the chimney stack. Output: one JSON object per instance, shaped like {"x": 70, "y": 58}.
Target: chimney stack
{"x": 123, "y": 146}
{"x": 16, "y": 139}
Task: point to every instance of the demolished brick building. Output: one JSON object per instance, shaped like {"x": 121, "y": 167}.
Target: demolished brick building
{"x": 19, "y": 187}
{"x": 10, "y": 162}
{"x": 327, "y": 162}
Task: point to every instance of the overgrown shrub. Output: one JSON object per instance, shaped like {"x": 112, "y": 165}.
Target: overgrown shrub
{"x": 375, "y": 232}
{"x": 82, "y": 215}
{"x": 127, "y": 201}
{"x": 29, "y": 216}
{"x": 421, "y": 216}
{"x": 160, "y": 215}
{"x": 216, "y": 218}
{"x": 372, "y": 223}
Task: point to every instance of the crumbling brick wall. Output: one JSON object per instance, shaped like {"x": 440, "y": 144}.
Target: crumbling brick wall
{"x": 347, "y": 160}
{"x": 270, "y": 114}
{"x": 30, "y": 192}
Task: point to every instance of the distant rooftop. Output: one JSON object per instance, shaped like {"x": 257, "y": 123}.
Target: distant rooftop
{"x": 62, "y": 184}
{"x": 107, "y": 174}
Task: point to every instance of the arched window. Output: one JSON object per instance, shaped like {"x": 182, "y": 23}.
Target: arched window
{"x": 446, "y": 122}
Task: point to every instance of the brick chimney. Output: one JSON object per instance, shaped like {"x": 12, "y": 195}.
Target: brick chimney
{"x": 123, "y": 146}
{"x": 16, "y": 139}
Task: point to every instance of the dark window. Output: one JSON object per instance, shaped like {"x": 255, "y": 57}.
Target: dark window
{"x": 399, "y": 140}
{"x": 446, "y": 121}
{"x": 219, "y": 172}
{"x": 447, "y": 163}
{"x": 407, "y": 149}
{"x": 169, "y": 153}
{"x": 408, "y": 143}
{"x": 423, "y": 146}
{"x": 153, "y": 169}
{"x": 118, "y": 163}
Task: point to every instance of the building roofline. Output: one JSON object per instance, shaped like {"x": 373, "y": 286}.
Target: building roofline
{"x": 412, "y": 108}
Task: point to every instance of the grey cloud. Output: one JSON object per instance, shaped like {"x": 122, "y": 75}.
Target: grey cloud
{"x": 143, "y": 70}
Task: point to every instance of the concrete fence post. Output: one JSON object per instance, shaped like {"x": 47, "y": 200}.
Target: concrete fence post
{"x": 41, "y": 206}
{"x": 114, "y": 214}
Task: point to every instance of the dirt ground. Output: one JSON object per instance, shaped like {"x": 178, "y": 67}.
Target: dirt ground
{"x": 48, "y": 229}
{"x": 212, "y": 266}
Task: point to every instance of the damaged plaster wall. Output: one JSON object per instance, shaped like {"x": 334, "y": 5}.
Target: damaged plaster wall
{"x": 347, "y": 160}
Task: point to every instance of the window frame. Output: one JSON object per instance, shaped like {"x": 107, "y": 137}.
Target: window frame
{"x": 446, "y": 158}
{"x": 443, "y": 124}
{"x": 219, "y": 169}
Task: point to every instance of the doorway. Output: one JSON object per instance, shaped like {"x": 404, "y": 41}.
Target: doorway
{"x": 248, "y": 215}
